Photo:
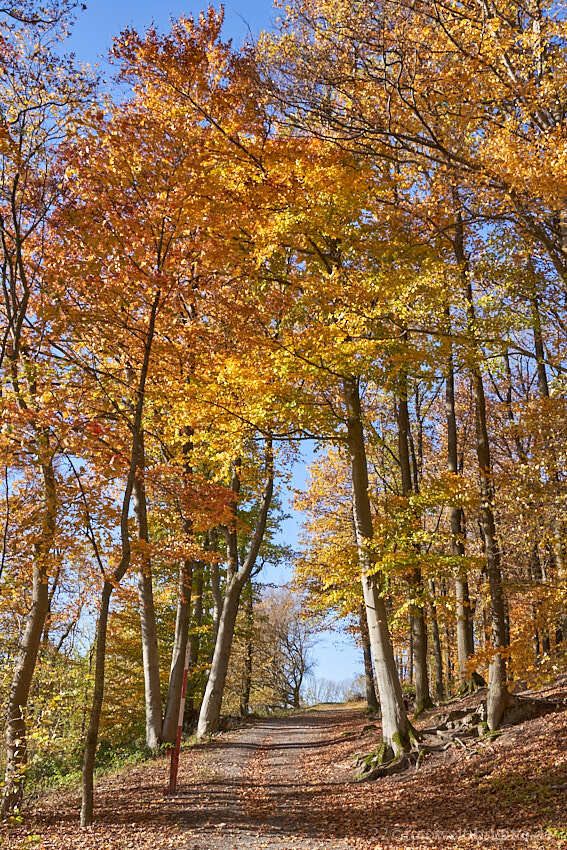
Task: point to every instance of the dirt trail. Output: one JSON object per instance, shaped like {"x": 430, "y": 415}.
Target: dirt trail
{"x": 287, "y": 784}
{"x": 259, "y": 794}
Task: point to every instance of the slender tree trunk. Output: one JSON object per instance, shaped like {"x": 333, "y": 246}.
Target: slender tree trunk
{"x": 535, "y": 572}
{"x": 169, "y": 731}
{"x": 371, "y": 698}
{"x": 448, "y": 645}
{"x": 498, "y": 696}
{"x": 237, "y": 577}
{"x": 419, "y": 634}
{"x": 214, "y": 576}
{"x": 417, "y": 609}
{"x": 539, "y": 347}
{"x": 396, "y": 729}
{"x": 91, "y": 739}
{"x": 465, "y": 646}
{"x": 437, "y": 651}
{"x": 410, "y": 653}
{"x": 48, "y": 617}
{"x": 194, "y": 640}
{"x": 15, "y": 732}
{"x": 212, "y": 699}
{"x": 559, "y": 554}
{"x": 249, "y": 652}
{"x": 150, "y": 652}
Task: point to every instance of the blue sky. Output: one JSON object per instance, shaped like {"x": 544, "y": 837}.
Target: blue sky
{"x": 337, "y": 656}
{"x": 103, "y": 19}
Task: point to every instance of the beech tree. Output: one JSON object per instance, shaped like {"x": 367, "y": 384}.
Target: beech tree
{"x": 43, "y": 97}
{"x": 353, "y": 233}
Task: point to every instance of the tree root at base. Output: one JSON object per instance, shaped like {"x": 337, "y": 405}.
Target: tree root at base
{"x": 465, "y": 728}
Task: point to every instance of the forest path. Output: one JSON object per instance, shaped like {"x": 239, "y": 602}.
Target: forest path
{"x": 287, "y": 784}
{"x": 263, "y": 789}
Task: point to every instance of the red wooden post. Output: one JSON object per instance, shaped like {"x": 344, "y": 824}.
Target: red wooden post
{"x": 176, "y": 749}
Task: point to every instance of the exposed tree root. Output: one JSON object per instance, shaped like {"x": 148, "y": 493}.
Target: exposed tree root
{"x": 463, "y": 728}
{"x": 396, "y": 765}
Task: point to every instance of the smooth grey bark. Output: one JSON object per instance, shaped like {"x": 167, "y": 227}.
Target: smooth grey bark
{"x": 371, "y": 697}
{"x": 209, "y": 715}
{"x": 417, "y": 609}
{"x": 498, "y": 695}
{"x": 15, "y": 730}
{"x": 396, "y": 729}
{"x": 150, "y": 651}
{"x": 91, "y": 738}
{"x": 179, "y": 652}
{"x": 237, "y": 576}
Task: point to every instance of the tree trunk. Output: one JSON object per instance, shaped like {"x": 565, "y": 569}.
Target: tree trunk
{"x": 16, "y": 733}
{"x": 498, "y": 696}
{"x": 16, "y": 737}
{"x": 194, "y": 641}
{"x": 417, "y": 610}
{"x": 214, "y": 577}
{"x": 465, "y": 646}
{"x": 437, "y": 651}
{"x": 212, "y": 699}
{"x": 150, "y": 652}
{"x": 543, "y": 387}
{"x": 237, "y": 577}
{"x": 249, "y": 652}
{"x": 134, "y": 469}
{"x": 91, "y": 739}
{"x": 410, "y": 653}
{"x": 396, "y": 729}
{"x": 371, "y": 698}
{"x": 169, "y": 730}
{"x": 448, "y": 645}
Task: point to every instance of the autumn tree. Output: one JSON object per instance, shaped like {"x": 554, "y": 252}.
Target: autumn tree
{"x": 43, "y": 96}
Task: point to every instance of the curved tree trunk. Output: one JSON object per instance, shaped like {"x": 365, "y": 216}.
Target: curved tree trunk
{"x": 237, "y": 577}
{"x": 16, "y": 737}
{"x": 91, "y": 738}
{"x": 136, "y": 461}
{"x": 396, "y": 729}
